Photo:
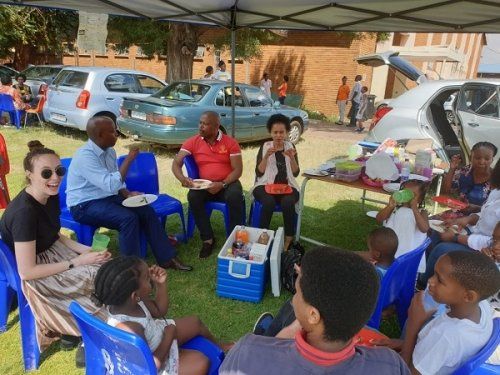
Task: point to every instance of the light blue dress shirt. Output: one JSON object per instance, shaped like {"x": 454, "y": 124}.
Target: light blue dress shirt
{"x": 93, "y": 174}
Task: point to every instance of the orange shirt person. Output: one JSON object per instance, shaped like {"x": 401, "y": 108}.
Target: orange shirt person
{"x": 282, "y": 90}
{"x": 342, "y": 97}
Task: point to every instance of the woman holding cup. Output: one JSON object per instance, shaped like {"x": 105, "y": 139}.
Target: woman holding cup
{"x": 277, "y": 163}
{"x": 54, "y": 269}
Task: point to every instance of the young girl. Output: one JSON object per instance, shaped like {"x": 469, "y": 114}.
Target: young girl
{"x": 409, "y": 220}
{"x": 125, "y": 286}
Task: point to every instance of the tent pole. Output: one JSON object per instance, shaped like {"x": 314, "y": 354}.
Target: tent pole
{"x": 233, "y": 67}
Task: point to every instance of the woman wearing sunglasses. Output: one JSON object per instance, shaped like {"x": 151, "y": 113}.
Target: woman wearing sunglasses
{"x": 53, "y": 268}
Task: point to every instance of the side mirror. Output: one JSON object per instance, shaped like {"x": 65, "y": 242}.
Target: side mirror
{"x": 276, "y": 104}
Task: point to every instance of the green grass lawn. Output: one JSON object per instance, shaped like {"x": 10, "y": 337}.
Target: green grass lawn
{"x": 333, "y": 215}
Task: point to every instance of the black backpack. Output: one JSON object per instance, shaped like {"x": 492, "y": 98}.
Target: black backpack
{"x": 288, "y": 260}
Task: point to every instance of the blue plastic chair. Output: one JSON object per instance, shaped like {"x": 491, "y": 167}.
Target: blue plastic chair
{"x": 398, "y": 285}
{"x": 7, "y": 105}
{"x": 142, "y": 176}
{"x": 10, "y": 285}
{"x": 255, "y": 212}
{"x": 112, "y": 350}
{"x": 83, "y": 232}
{"x": 192, "y": 172}
{"x": 476, "y": 365}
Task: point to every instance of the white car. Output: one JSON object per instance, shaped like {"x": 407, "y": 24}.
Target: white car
{"x": 80, "y": 93}
{"x": 419, "y": 114}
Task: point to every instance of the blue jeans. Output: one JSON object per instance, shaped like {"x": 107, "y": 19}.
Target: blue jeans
{"x": 110, "y": 213}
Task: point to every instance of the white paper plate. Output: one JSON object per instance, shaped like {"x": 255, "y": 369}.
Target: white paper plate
{"x": 316, "y": 172}
{"x": 418, "y": 177}
{"x": 436, "y": 225}
{"x": 372, "y": 214}
{"x": 139, "y": 200}
{"x": 391, "y": 187}
{"x": 327, "y": 165}
{"x": 201, "y": 184}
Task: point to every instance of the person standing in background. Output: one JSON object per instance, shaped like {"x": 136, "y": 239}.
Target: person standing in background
{"x": 266, "y": 84}
{"x": 342, "y": 96}
{"x": 282, "y": 90}
{"x": 355, "y": 98}
{"x": 222, "y": 74}
{"x": 209, "y": 72}
{"x": 361, "y": 110}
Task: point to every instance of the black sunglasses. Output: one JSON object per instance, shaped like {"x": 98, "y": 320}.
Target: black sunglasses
{"x": 47, "y": 173}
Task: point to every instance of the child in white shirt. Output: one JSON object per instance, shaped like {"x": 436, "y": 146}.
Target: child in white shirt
{"x": 462, "y": 280}
{"x": 409, "y": 220}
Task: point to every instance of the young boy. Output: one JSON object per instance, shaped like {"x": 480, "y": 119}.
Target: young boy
{"x": 462, "y": 280}
{"x": 330, "y": 285}
{"x": 382, "y": 247}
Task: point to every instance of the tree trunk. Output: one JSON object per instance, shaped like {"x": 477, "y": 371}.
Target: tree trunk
{"x": 181, "y": 48}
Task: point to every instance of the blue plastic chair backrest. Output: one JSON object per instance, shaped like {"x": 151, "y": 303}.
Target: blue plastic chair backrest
{"x": 142, "y": 174}
{"x": 65, "y": 162}
{"x": 191, "y": 167}
{"x": 398, "y": 284}
{"x": 485, "y": 353}
{"x": 8, "y": 267}
{"x": 6, "y": 103}
{"x": 109, "y": 350}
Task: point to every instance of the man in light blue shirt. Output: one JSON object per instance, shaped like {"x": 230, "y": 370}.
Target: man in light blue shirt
{"x": 96, "y": 189}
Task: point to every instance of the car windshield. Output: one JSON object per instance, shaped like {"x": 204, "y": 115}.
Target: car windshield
{"x": 183, "y": 91}
{"x": 39, "y": 72}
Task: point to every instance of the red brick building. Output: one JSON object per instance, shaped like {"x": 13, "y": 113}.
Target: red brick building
{"x": 314, "y": 61}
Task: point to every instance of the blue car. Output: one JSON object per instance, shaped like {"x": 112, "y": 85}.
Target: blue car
{"x": 171, "y": 115}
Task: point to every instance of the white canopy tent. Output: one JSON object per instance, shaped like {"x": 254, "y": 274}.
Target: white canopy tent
{"x": 318, "y": 15}
{"x": 340, "y": 15}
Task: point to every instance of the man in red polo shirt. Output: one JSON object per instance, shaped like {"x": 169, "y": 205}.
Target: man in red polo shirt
{"x": 218, "y": 158}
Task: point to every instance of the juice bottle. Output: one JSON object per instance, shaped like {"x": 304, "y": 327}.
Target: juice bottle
{"x": 242, "y": 235}
{"x": 263, "y": 238}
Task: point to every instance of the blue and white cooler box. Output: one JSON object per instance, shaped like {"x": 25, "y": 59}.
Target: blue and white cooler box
{"x": 242, "y": 279}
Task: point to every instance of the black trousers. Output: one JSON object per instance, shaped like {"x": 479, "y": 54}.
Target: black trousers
{"x": 287, "y": 203}
{"x": 285, "y": 317}
{"x": 354, "y": 112}
{"x": 232, "y": 196}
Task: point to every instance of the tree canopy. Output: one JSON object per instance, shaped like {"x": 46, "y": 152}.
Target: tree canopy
{"x": 35, "y": 35}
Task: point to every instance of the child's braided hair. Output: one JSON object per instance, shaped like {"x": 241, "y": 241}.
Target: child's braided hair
{"x": 116, "y": 280}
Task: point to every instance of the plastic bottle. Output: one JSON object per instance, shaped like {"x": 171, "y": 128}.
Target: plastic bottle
{"x": 401, "y": 153}
{"x": 242, "y": 235}
{"x": 429, "y": 302}
{"x": 263, "y": 238}
{"x": 405, "y": 170}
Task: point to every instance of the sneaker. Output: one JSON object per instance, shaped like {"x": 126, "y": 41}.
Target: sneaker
{"x": 339, "y": 123}
{"x": 69, "y": 342}
{"x": 206, "y": 249}
{"x": 263, "y": 323}
{"x": 80, "y": 356}
{"x": 173, "y": 240}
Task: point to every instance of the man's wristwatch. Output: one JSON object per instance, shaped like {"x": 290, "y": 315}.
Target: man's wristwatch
{"x": 224, "y": 184}
{"x": 70, "y": 265}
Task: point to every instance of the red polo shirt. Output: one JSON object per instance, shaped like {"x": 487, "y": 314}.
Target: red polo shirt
{"x": 213, "y": 161}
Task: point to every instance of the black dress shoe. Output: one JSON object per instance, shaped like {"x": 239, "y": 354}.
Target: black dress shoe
{"x": 68, "y": 342}
{"x": 206, "y": 249}
{"x": 80, "y": 356}
{"x": 176, "y": 264}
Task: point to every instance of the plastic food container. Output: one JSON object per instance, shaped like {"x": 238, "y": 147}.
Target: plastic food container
{"x": 348, "y": 168}
{"x": 347, "y": 177}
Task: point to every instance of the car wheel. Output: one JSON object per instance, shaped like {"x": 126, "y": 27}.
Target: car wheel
{"x": 450, "y": 116}
{"x": 295, "y": 131}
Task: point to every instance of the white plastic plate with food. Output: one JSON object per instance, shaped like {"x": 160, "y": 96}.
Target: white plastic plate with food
{"x": 139, "y": 200}
{"x": 439, "y": 226}
{"x": 418, "y": 177}
{"x": 391, "y": 187}
{"x": 200, "y": 184}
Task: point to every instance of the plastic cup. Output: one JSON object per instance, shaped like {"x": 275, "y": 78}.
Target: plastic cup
{"x": 403, "y": 196}
{"x": 100, "y": 242}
